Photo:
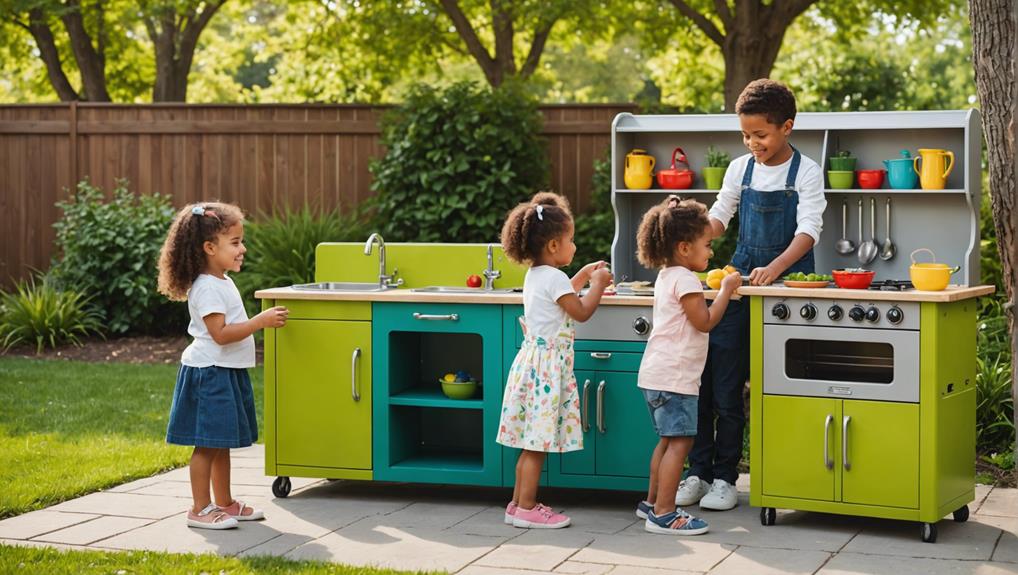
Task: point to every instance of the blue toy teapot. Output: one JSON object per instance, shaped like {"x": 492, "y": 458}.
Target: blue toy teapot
{"x": 900, "y": 174}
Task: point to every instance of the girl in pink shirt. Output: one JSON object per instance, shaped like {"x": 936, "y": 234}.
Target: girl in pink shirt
{"x": 675, "y": 237}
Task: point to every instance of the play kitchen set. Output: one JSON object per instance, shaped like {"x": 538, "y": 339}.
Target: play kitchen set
{"x": 863, "y": 388}
{"x": 391, "y": 368}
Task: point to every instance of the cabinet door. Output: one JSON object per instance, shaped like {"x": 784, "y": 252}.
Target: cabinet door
{"x": 881, "y": 441}
{"x": 627, "y": 441}
{"x": 582, "y": 462}
{"x": 323, "y": 394}
{"x": 794, "y": 433}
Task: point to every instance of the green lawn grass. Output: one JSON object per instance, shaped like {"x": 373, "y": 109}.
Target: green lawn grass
{"x": 56, "y": 562}
{"x": 69, "y": 428}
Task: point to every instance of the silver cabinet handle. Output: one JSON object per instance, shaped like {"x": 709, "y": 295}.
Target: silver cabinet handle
{"x": 585, "y": 401}
{"x": 600, "y": 407}
{"x": 431, "y": 317}
{"x": 601, "y": 355}
{"x": 844, "y": 443}
{"x": 828, "y": 462}
{"x": 353, "y": 374}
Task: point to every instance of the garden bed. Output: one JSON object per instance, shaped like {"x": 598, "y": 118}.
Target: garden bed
{"x": 139, "y": 349}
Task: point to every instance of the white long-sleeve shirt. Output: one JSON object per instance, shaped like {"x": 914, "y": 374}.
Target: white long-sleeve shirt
{"x": 809, "y": 183}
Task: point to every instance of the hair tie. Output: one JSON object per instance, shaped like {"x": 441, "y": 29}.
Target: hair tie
{"x": 198, "y": 210}
{"x": 673, "y": 201}
{"x": 540, "y": 211}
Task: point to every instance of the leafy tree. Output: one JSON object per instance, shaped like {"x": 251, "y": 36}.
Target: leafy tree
{"x": 174, "y": 27}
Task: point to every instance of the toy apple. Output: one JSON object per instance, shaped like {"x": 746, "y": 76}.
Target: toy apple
{"x": 474, "y": 281}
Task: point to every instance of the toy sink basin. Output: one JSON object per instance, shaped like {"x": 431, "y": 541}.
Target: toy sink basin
{"x": 341, "y": 286}
{"x": 461, "y": 289}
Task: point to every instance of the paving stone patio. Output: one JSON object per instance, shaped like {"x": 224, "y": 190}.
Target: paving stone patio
{"x": 460, "y": 530}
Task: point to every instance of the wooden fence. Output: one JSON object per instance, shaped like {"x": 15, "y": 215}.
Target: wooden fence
{"x": 259, "y": 157}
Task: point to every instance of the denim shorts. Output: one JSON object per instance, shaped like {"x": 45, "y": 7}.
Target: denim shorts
{"x": 673, "y": 414}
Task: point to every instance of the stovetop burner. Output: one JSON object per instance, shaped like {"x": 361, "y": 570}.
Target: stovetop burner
{"x": 891, "y": 285}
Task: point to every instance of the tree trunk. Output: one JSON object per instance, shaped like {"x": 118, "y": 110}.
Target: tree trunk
{"x": 175, "y": 40}
{"x": 993, "y": 57}
{"x": 43, "y": 36}
{"x": 91, "y": 62}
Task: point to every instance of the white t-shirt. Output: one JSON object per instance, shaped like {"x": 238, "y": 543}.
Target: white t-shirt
{"x": 208, "y": 295}
{"x": 542, "y": 287}
{"x": 809, "y": 184}
{"x": 676, "y": 351}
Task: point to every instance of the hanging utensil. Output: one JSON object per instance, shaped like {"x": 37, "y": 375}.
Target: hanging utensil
{"x": 887, "y": 251}
{"x": 845, "y": 245}
{"x": 869, "y": 250}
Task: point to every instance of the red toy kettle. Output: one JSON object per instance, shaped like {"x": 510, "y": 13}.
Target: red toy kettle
{"x": 676, "y": 179}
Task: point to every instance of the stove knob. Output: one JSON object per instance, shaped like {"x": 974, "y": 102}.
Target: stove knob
{"x": 835, "y": 313}
{"x": 857, "y": 313}
{"x": 894, "y": 315}
{"x": 808, "y": 312}
{"x": 873, "y": 315}
{"x": 780, "y": 311}
{"x": 641, "y": 325}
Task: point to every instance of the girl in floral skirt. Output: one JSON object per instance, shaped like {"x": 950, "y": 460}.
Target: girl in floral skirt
{"x": 541, "y": 404}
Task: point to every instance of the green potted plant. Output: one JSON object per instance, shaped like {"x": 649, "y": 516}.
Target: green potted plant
{"x": 842, "y": 162}
{"x": 717, "y": 163}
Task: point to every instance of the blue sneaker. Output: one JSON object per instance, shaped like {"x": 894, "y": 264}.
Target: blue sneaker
{"x": 676, "y": 523}
{"x": 643, "y": 508}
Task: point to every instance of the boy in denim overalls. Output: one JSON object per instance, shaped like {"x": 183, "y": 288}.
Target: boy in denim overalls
{"x": 779, "y": 196}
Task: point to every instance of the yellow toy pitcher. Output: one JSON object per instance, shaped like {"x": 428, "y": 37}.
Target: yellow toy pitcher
{"x": 933, "y": 173}
{"x": 639, "y": 174}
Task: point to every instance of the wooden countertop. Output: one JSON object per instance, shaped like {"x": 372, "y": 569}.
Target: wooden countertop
{"x": 952, "y": 293}
{"x": 406, "y": 295}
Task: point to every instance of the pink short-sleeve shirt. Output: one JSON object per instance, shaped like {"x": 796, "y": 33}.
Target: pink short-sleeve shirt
{"x": 676, "y": 351}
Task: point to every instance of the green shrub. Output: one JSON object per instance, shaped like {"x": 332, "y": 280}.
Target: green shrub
{"x": 281, "y": 247}
{"x": 595, "y": 228}
{"x": 109, "y": 251}
{"x": 456, "y": 162}
{"x": 994, "y": 405}
{"x": 39, "y": 313}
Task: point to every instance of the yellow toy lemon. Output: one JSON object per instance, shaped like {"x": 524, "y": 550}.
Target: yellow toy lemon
{"x": 730, "y": 269}
{"x": 714, "y": 278}
{"x": 449, "y": 377}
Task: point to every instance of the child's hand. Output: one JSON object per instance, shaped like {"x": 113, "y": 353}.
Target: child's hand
{"x": 273, "y": 317}
{"x": 731, "y": 282}
{"x": 763, "y": 276}
{"x": 589, "y": 269}
{"x": 600, "y": 277}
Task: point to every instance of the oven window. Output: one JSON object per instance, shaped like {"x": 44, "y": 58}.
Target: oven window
{"x": 852, "y": 361}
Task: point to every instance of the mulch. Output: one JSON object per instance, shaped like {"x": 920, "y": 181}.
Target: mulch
{"x": 137, "y": 349}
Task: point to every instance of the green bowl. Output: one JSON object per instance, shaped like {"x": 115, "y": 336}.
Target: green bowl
{"x": 459, "y": 389}
{"x": 840, "y": 180}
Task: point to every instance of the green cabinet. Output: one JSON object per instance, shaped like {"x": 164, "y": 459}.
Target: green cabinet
{"x": 318, "y": 393}
{"x": 859, "y": 452}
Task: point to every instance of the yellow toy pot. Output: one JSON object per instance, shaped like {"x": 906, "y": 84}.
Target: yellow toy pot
{"x": 930, "y": 276}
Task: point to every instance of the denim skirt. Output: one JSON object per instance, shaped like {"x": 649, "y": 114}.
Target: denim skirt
{"x": 212, "y": 407}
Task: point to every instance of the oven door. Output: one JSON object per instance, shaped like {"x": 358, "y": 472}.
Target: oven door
{"x": 841, "y": 362}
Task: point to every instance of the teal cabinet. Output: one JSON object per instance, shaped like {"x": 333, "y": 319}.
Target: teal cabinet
{"x": 420, "y": 435}
{"x": 318, "y": 395}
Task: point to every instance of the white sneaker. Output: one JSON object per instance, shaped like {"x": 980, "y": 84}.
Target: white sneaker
{"x": 690, "y": 491}
{"x": 721, "y": 497}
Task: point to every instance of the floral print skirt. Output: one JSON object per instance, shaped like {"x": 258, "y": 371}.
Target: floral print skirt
{"x": 541, "y": 404}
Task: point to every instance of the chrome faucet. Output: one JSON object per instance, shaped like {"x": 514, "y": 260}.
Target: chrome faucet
{"x": 384, "y": 280}
{"x": 490, "y": 273}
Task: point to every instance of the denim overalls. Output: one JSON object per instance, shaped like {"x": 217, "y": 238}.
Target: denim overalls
{"x": 767, "y": 224}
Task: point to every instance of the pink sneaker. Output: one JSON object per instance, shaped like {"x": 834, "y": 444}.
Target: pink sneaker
{"x": 510, "y": 511}
{"x": 210, "y": 518}
{"x": 540, "y": 517}
{"x": 241, "y": 512}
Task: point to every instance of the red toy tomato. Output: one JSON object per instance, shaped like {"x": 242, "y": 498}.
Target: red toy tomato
{"x": 474, "y": 281}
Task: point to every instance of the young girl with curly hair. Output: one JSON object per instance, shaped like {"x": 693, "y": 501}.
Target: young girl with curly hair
{"x": 541, "y": 403}
{"x": 674, "y": 236}
{"x": 213, "y": 404}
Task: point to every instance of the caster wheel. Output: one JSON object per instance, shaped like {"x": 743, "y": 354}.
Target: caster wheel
{"x": 281, "y": 486}
{"x": 768, "y": 515}
{"x": 962, "y": 515}
{"x": 928, "y": 531}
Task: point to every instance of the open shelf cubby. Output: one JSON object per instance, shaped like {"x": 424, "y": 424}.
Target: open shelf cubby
{"x": 436, "y": 438}
{"x": 417, "y": 360}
